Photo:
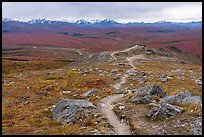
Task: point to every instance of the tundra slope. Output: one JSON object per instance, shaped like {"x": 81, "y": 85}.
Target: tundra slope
{"x": 35, "y": 90}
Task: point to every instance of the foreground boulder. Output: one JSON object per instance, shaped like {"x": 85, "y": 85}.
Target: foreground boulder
{"x": 151, "y": 90}
{"x": 90, "y": 93}
{"x": 164, "y": 110}
{"x": 66, "y": 110}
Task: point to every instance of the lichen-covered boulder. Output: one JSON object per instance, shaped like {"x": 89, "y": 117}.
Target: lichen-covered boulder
{"x": 185, "y": 97}
{"x": 164, "y": 110}
{"x": 66, "y": 110}
{"x": 152, "y": 89}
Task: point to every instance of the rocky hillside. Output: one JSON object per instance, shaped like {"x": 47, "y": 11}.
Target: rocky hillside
{"x": 136, "y": 90}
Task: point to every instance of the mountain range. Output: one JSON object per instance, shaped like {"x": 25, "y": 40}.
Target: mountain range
{"x": 102, "y": 35}
{"x": 104, "y": 23}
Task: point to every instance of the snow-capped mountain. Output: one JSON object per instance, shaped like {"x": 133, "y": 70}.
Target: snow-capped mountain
{"x": 81, "y": 21}
{"x": 4, "y": 19}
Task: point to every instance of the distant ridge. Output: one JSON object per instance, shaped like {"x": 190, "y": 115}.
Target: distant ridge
{"x": 89, "y": 22}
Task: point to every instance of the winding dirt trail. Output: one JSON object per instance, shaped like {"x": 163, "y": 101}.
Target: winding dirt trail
{"x": 107, "y": 102}
{"x": 117, "y": 86}
{"x": 107, "y": 110}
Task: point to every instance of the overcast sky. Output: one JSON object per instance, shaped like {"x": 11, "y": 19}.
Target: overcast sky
{"x": 118, "y": 11}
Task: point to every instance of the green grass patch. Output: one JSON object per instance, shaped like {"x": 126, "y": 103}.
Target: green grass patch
{"x": 52, "y": 77}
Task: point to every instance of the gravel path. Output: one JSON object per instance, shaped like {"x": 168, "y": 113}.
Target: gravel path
{"x": 107, "y": 102}
{"x": 107, "y": 110}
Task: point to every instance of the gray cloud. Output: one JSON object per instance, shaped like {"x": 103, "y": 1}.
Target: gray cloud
{"x": 119, "y": 11}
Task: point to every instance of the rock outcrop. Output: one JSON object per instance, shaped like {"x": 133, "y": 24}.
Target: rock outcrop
{"x": 65, "y": 111}
{"x": 151, "y": 90}
{"x": 186, "y": 97}
{"x": 164, "y": 110}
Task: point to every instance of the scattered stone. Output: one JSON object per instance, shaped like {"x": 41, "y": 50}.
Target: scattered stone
{"x": 141, "y": 80}
{"x": 100, "y": 71}
{"x": 178, "y": 70}
{"x": 96, "y": 69}
{"x": 121, "y": 91}
{"x": 142, "y": 100}
{"x": 149, "y": 51}
{"x": 128, "y": 90}
{"x": 163, "y": 78}
{"x": 134, "y": 79}
{"x": 90, "y": 93}
{"x": 25, "y": 97}
{"x": 7, "y": 81}
{"x": 121, "y": 64}
{"x": 66, "y": 110}
{"x": 70, "y": 60}
{"x": 169, "y": 77}
{"x": 66, "y": 92}
{"x": 121, "y": 107}
{"x": 42, "y": 93}
{"x": 132, "y": 72}
{"x": 76, "y": 95}
{"x": 114, "y": 70}
{"x": 198, "y": 81}
{"x": 103, "y": 105}
{"x": 118, "y": 76}
{"x": 142, "y": 73}
{"x": 163, "y": 111}
{"x": 18, "y": 75}
{"x": 84, "y": 72}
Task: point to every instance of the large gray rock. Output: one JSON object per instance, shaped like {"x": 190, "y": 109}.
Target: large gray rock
{"x": 66, "y": 110}
{"x": 142, "y": 100}
{"x": 151, "y": 90}
{"x": 90, "y": 93}
{"x": 164, "y": 110}
{"x": 186, "y": 97}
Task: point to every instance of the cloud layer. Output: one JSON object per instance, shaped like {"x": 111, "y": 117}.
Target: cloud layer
{"x": 119, "y": 11}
